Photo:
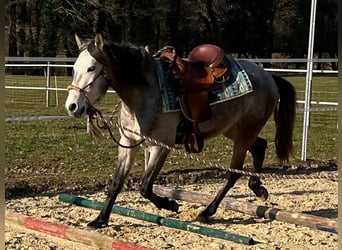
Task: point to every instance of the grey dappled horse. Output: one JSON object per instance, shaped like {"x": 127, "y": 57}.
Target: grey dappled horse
{"x": 131, "y": 72}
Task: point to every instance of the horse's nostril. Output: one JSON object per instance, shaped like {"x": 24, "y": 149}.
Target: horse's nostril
{"x": 72, "y": 107}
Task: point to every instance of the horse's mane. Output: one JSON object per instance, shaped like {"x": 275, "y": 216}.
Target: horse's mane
{"x": 127, "y": 62}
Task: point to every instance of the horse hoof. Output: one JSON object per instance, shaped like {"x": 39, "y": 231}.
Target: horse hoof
{"x": 203, "y": 217}
{"x": 263, "y": 196}
{"x": 165, "y": 203}
{"x": 95, "y": 224}
{"x": 173, "y": 206}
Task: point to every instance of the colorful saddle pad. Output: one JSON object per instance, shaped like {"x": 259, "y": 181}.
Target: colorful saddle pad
{"x": 237, "y": 85}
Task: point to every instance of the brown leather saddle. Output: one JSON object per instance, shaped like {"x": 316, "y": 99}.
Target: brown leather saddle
{"x": 207, "y": 68}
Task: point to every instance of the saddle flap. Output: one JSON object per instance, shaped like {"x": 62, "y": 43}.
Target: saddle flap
{"x": 198, "y": 103}
{"x": 219, "y": 71}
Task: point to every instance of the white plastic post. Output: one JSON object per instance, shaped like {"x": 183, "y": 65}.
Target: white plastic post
{"x": 48, "y": 85}
{"x": 306, "y": 121}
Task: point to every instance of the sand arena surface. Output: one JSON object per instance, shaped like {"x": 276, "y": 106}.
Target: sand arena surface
{"x": 316, "y": 197}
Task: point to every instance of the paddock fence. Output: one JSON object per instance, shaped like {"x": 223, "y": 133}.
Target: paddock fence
{"x": 35, "y": 89}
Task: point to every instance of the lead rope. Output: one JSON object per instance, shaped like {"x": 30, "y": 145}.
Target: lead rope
{"x": 332, "y": 177}
{"x": 98, "y": 116}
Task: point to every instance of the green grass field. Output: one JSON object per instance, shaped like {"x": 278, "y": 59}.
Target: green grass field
{"x": 56, "y": 154}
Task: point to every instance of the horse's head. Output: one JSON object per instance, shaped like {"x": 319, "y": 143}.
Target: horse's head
{"x": 89, "y": 82}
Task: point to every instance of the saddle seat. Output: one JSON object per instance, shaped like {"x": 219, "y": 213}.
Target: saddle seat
{"x": 205, "y": 66}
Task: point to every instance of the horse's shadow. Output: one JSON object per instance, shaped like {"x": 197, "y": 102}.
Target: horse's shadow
{"x": 302, "y": 192}
{"x": 330, "y": 166}
{"x": 212, "y": 174}
{"x": 296, "y": 192}
{"x": 326, "y": 213}
{"x": 237, "y": 221}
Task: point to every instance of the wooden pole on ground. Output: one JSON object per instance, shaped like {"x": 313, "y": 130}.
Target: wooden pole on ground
{"x": 302, "y": 219}
{"x": 168, "y": 222}
{"x": 68, "y": 233}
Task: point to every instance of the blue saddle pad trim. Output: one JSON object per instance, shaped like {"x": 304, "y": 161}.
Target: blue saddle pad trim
{"x": 237, "y": 85}
{"x": 169, "y": 97}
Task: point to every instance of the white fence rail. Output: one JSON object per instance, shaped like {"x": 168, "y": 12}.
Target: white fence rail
{"x": 51, "y": 62}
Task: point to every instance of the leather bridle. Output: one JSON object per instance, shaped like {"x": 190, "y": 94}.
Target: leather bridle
{"x": 81, "y": 90}
{"x": 94, "y": 113}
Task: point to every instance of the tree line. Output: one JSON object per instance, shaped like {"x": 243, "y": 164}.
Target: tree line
{"x": 248, "y": 28}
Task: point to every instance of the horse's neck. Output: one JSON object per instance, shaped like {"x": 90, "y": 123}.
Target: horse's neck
{"x": 141, "y": 106}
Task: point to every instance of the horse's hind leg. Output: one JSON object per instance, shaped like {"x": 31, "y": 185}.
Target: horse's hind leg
{"x": 156, "y": 159}
{"x": 125, "y": 161}
{"x": 238, "y": 158}
{"x": 258, "y": 150}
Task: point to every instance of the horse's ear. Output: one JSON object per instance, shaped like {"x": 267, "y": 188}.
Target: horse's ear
{"x": 99, "y": 41}
{"x": 78, "y": 41}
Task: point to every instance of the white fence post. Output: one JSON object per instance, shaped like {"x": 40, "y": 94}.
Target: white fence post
{"x": 306, "y": 120}
{"x": 48, "y": 84}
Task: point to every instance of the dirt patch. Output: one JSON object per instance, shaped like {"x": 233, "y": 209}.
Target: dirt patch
{"x": 29, "y": 184}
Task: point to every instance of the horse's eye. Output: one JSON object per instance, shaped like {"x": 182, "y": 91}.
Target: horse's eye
{"x": 92, "y": 68}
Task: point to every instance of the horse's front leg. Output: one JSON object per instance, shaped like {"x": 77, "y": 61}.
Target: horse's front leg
{"x": 156, "y": 158}
{"x": 125, "y": 162}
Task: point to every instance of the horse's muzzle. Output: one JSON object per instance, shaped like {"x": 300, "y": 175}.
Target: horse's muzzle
{"x": 75, "y": 110}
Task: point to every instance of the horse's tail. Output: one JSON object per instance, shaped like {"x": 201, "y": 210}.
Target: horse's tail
{"x": 284, "y": 117}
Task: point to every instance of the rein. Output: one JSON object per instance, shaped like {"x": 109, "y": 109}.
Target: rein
{"x": 95, "y": 114}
